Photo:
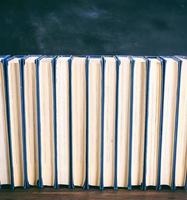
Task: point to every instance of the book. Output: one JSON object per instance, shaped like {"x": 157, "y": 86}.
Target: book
{"x": 4, "y": 143}
{"x": 93, "y": 121}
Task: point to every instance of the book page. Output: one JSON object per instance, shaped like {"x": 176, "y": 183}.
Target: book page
{"x": 123, "y": 121}
{"x": 94, "y": 120}
{"x": 4, "y": 155}
{"x": 109, "y": 121}
{"x": 181, "y": 157}
{"x": 79, "y": 119}
{"x": 62, "y": 91}
{"x": 15, "y": 121}
{"x": 169, "y": 121}
{"x": 138, "y": 121}
{"x": 46, "y": 112}
{"x": 31, "y": 120}
{"x": 153, "y": 122}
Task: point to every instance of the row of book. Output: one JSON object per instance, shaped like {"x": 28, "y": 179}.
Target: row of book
{"x": 101, "y": 121}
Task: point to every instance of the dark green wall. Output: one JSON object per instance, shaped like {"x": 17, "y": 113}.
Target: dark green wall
{"x": 93, "y": 27}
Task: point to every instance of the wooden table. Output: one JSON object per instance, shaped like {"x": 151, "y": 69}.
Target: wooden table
{"x": 52, "y": 194}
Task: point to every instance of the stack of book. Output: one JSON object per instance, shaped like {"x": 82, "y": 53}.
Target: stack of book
{"x": 104, "y": 121}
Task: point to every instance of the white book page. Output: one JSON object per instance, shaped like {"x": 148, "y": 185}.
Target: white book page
{"x": 109, "y": 121}
{"x": 123, "y": 121}
{"x": 62, "y": 92}
{"x": 94, "y": 120}
{"x": 46, "y": 112}
{"x": 138, "y": 121}
{"x": 79, "y": 120}
{"x": 4, "y": 155}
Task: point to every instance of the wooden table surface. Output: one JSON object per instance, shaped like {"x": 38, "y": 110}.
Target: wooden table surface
{"x": 63, "y": 194}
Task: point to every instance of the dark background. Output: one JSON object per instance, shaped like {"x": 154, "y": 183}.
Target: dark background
{"x": 93, "y": 27}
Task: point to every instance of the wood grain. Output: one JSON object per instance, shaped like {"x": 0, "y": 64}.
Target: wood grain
{"x": 77, "y": 194}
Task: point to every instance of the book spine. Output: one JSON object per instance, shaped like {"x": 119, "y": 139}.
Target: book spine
{"x": 116, "y": 127}
{"x": 146, "y": 123}
{"x": 163, "y": 64}
{"x": 40, "y": 181}
{"x": 131, "y": 124}
{"x": 7, "y": 97}
{"x": 173, "y": 187}
{"x": 86, "y": 184}
{"x": 71, "y": 182}
{"x": 23, "y": 119}
{"x": 53, "y": 65}
{"x": 102, "y": 123}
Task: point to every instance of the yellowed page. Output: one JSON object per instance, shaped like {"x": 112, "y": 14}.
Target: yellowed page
{"x": 153, "y": 122}
{"x": 62, "y": 91}
{"x": 46, "y": 109}
{"x": 4, "y": 155}
{"x": 138, "y": 120}
{"x": 31, "y": 120}
{"x": 169, "y": 121}
{"x": 181, "y": 157}
{"x": 94, "y": 120}
{"x": 78, "y": 119}
{"x": 15, "y": 120}
{"x": 109, "y": 121}
{"x": 123, "y": 121}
